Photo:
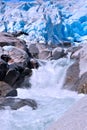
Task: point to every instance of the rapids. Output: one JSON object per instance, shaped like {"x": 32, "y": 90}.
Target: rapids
{"x": 46, "y": 89}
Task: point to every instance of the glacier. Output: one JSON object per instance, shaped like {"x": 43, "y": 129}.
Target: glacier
{"x": 46, "y": 21}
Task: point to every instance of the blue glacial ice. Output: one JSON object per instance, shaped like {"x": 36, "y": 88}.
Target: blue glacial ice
{"x": 46, "y": 21}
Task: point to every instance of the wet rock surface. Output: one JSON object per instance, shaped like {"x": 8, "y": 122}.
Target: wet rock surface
{"x": 16, "y": 63}
{"x": 14, "y": 59}
{"x": 16, "y": 103}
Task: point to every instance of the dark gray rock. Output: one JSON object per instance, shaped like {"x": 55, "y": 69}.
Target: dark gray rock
{"x": 33, "y": 49}
{"x": 11, "y": 76}
{"x": 12, "y": 93}
{"x": 17, "y": 34}
{"x": 4, "y": 88}
{"x": 32, "y": 63}
{"x": 58, "y": 53}
{"x": 5, "y": 57}
{"x": 16, "y": 103}
{"x": 3, "y": 69}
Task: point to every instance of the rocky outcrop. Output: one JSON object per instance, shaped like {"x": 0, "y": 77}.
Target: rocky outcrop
{"x": 16, "y": 63}
{"x": 46, "y": 52}
{"x": 76, "y": 75}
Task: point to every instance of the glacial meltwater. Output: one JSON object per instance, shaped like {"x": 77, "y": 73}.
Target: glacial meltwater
{"x": 46, "y": 89}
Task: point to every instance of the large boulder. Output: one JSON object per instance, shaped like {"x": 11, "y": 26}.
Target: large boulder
{"x": 16, "y": 62}
{"x": 72, "y": 75}
{"x": 33, "y": 49}
{"x": 16, "y": 67}
{"x": 17, "y": 55}
{"x": 7, "y": 39}
{"x": 23, "y": 80}
{"x": 11, "y": 76}
{"x": 16, "y": 103}
{"x": 50, "y": 52}
{"x": 57, "y": 53}
{"x": 76, "y": 75}
{"x": 12, "y": 93}
{"x": 45, "y": 54}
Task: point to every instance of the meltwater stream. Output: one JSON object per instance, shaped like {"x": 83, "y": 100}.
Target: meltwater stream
{"x": 47, "y": 90}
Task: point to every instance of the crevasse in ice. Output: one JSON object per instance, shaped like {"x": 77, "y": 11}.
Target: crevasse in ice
{"x": 47, "y": 21}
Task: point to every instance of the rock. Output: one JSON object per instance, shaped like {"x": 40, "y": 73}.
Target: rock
{"x": 58, "y": 53}
{"x": 73, "y": 50}
{"x": 17, "y": 55}
{"x": 32, "y": 63}
{"x": 3, "y": 69}
{"x": 17, "y": 34}
{"x": 76, "y": 75}
{"x": 27, "y": 72}
{"x": 16, "y": 61}
{"x": 5, "y": 57}
{"x": 1, "y": 51}
{"x": 23, "y": 80}
{"x": 81, "y": 84}
{"x": 7, "y": 39}
{"x": 4, "y": 88}
{"x": 66, "y": 44}
{"x": 72, "y": 75}
{"x": 12, "y": 93}
{"x": 33, "y": 49}
{"x": 11, "y": 76}
{"x": 45, "y": 54}
{"x": 44, "y": 51}
{"x": 16, "y": 103}
{"x": 17, "y": 66}
{"x": 73, "y": 119}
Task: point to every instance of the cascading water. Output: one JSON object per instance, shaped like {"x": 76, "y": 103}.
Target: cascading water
{"x": 47, "y": 90}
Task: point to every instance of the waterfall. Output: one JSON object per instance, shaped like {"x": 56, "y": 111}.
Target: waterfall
{"x": 46, "y": 89}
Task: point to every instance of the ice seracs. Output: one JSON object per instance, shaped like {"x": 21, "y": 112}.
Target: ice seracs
{"x": 46, "y": 21}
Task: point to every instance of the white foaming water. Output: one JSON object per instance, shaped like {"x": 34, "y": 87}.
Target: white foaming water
{"x": 47, "y": 90}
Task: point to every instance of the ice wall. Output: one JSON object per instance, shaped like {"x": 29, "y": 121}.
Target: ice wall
{"x": 47, "y": 21}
